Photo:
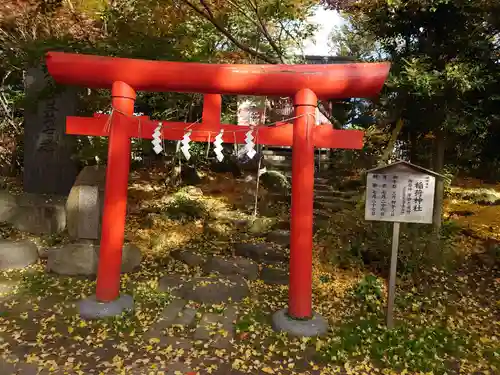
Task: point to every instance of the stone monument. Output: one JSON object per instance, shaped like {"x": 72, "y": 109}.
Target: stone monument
{"x": 48, "y": 166}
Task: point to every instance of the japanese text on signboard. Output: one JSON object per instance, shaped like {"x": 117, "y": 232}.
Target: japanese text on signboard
{"x": 399, "y": 197}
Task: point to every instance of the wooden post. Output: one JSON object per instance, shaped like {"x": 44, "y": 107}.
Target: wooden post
{"x": 115, "y": 196}
{"x": 300, "y": 294}
{"x": 392, "y": 275}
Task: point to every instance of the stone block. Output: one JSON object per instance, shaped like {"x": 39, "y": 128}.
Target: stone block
{"x": 8, "y": 206}
{"x": 85, "y": 202}
{"x": 17, "y": 254}
{"x": 39, "y": 214}
{"x": 232, "y": 266}
{"x": 83, "y": 212}
{"x": 82, "y": 259}
{"x": 73, "y": 260}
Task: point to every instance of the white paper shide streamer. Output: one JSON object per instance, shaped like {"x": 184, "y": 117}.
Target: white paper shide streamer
{"x": 218, "y": 146}
{"x": 249, "y": 144}
{"x": 185, "y": 145}
{"x": 157, "y": 139}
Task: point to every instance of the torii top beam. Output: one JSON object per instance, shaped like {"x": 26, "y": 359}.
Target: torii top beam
{"x": 329, "y": 81}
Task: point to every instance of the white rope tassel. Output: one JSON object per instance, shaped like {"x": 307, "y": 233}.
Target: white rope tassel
{"x": 218, "y": 146}
{"x": 157, "y": 139}
{"x": 185, "y": 145}
{"x": 249, "y": 144}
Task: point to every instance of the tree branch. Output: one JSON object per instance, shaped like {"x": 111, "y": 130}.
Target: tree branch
{"x": 209, "y": 17}
{"x": 243, "y": 13}
{"x": 330, "y": 118}
{"x": 283, "y": 29}
{"x": 265, "y": 32}
{"x": 209, "y": 11}
{"x": 207, "y": 14}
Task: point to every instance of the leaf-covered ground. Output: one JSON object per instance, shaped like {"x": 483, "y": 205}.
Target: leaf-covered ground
{"x": 447, "y": 312}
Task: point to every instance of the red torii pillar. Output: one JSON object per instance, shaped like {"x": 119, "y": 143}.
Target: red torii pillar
{"x": 305, "y": 83}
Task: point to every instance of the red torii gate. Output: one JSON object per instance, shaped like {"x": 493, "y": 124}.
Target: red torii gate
{"x": 305, "y": 83}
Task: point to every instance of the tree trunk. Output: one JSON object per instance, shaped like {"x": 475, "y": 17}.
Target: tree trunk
{"x": 386, "y": 155}
{"x": 413, "y": 147}
{"x": 438, "y": 166}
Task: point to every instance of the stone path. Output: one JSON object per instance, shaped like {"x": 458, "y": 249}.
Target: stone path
{"x": 266, "y": 261}
{"x": 189, "y": 321}
{"x": 217, "y": 328}
{"x": 180, "y": 327}
{"x": 183, "y": 324}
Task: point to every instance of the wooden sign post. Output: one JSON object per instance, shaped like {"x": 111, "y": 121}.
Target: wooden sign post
{"x": 401, "y": 193}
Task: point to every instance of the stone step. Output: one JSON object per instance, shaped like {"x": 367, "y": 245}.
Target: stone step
{"x": 276, "y": 157}
{"x": 320, "y": 181}
{"x": 325, "y": 198}
{"x": 286, "y": 166}
{"x": 219, "y": 328}
{"x": 280, "y": 237}
{"x": 323, "y": 195}
{"x": 289, "y": 157}
{"x": 346, "y": 194}
{"x": 330, "y": 188}
{"x": 185, "y": 318}
{"x": 321, "y": 214}
{"x": 225, "y": 334}
{"x": 207, "y": 327}
{"x": 322, "y": 186}
{"x": 237, "y": 269}
{"x": 260, "y": 252}
{"x": 275, "y": 276}
{"x": 282, "y": 163}
{"x": 333, "y": 198}
{"x": 323, "y": 191}
{"x": 285, "y": 170}
{"x": 167, "y": 317}
{"x": 284, "y": 152}
{"x": 271, "y": 154}
{"x": 334, "y": 206}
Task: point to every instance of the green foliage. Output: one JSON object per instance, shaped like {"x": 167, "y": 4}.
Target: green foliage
{"x": 183, "y": 208}
{"x": 494, "y": 253}
{"x": 147, "y": 294}
{"x": 276, "y": 182}
{"x": 444, "y": 72}
{"x": 368, "y": 293}
{"x": 411, "y": 346}
{"x": 198, "y": 153}
{"x": 405, "y": 347}
{"x": 11, "y": 129}
{"x": 249, "y": 321}
{"x": 485, "y": 197}
{"x": 235, "y": 31}
{"x": 351, "y": 242}
{"x": 450, "y": 228}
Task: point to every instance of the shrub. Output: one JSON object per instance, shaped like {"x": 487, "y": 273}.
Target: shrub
{"x": 276, "y": 182}
{"x": 351, "y": 242}
{"x": 183, "y": 208}
{"x": 369, "y": 293}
